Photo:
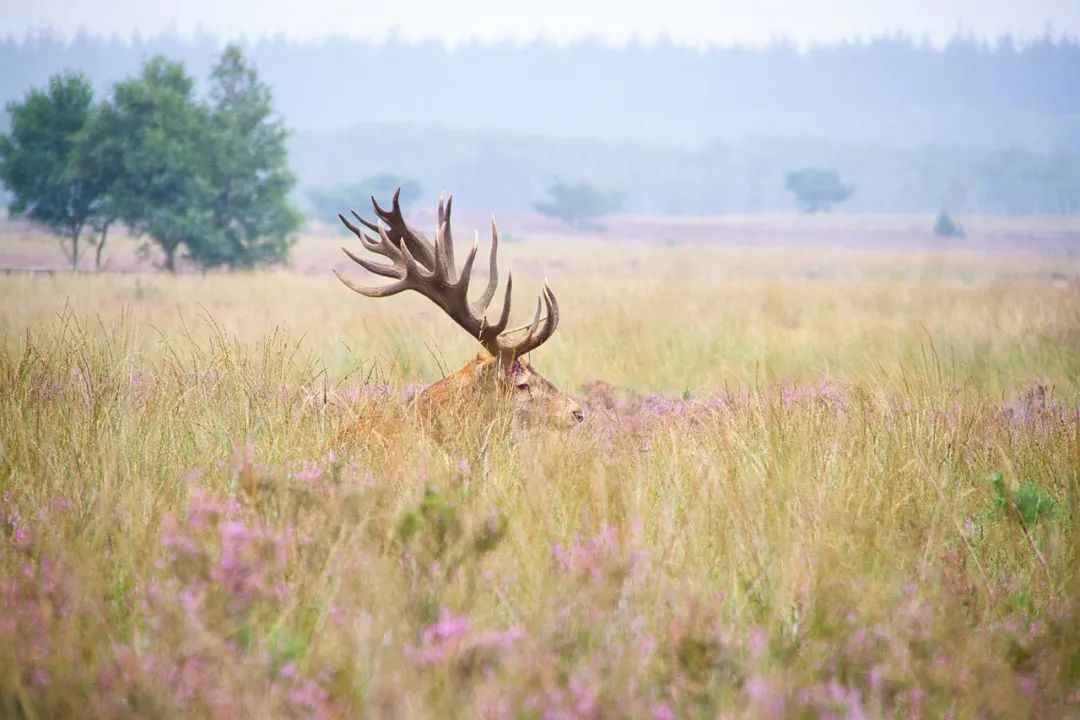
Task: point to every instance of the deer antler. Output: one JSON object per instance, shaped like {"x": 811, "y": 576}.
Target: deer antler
{"x": 429, "y": 269}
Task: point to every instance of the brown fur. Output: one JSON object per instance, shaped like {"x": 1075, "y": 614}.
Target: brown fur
{"x": 533, "y": 398}
{"x": 483, "y": 387}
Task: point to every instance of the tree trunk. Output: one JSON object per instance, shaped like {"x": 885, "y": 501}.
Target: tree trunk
{"x": 101, "y": 245}
{"x": 71, "y": 256}
{"x": 170, "y": 256}
{"x": 75, "y": 249}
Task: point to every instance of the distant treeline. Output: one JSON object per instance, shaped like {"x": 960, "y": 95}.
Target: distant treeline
{"x": 970, "y": 127}
{"x": 893, "y": 91}
{"x": 502, "y": 171}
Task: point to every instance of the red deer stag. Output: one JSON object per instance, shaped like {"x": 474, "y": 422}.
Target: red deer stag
{"x": 500, "y": 374}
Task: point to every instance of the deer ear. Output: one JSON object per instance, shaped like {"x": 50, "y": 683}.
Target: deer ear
{"x": 486, "y": 367}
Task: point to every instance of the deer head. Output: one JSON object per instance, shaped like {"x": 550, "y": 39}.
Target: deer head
{"x": 500, "y": 374}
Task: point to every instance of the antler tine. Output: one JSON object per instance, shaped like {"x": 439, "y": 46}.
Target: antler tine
{"x": 429, "y": 269}
{"x": 534, "y": 339}
{"x": 444, "y": 260}
{"x": 441, "y": 241}
{"x": 390, "y": 271}
{"x": 463, "y": 280}
{"x": 492, "y": 332}
{"x": 448, "y": 244}
{"x": 374, "y": 227}
{"x": 411, "y": 266}
{"x": 484, "y": 300}
{"x": 386, "y": 247}
{"x": 401, "y": 234}
{"x": 368, "y": 242}
{"x": 387, "y": 291}
{"x": 535, "y": 321}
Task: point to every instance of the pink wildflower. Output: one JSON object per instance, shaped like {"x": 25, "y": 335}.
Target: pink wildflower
{"x": 662, "y": 711}
{"x": 766, "y": 698}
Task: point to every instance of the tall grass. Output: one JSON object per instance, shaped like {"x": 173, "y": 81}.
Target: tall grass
{"x": 793, "y": 498}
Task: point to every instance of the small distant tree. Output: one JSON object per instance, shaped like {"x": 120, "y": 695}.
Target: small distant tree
{"x": 945, "y": 226}
{"x": 579, "y": 204}
{"x": 816, "y": 190}
{"x": 38, "y": 164}
{"x": 252, "y": 219}
{"x": 327, "y": 202}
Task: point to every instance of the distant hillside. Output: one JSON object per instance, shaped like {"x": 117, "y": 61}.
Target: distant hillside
{"x": 511, "y": 171}
{"x": 888, "y": 91}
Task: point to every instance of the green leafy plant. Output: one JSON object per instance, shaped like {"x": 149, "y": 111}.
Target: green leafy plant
{"x": 1029, "y": 503}
{"x": 437, "y": 541}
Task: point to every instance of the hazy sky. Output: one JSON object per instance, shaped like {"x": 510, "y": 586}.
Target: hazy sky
{"x": 695, "y": 21}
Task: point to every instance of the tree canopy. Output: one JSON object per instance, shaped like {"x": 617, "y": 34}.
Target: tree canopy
{"x": 159, "y": 137}
{"x": 816, "y": 189}
{"x": 578, "y": 204}
{"x": 945, "y": 226}
{"x": 248, "y": 170}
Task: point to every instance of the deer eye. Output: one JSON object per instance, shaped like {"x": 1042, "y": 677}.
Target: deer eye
{"x": 522, "y": 385}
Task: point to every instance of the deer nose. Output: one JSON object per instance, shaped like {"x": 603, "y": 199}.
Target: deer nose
{"x": 579, "y": 415}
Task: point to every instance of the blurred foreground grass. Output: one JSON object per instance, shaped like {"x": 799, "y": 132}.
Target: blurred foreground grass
{"x": 811, "y": 483}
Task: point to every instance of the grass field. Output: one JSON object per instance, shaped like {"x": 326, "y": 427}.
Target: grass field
{"x": 817, "y": 480}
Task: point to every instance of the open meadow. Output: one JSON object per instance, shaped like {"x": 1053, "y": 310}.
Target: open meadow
{"x": 831, "y": 468}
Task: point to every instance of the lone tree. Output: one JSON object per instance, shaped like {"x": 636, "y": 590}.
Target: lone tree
{"x": 578, "y": 204}
{"x": 816, "y": 189}
{"x": 945, "y": 226}
{"x": 40, "y": 165}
